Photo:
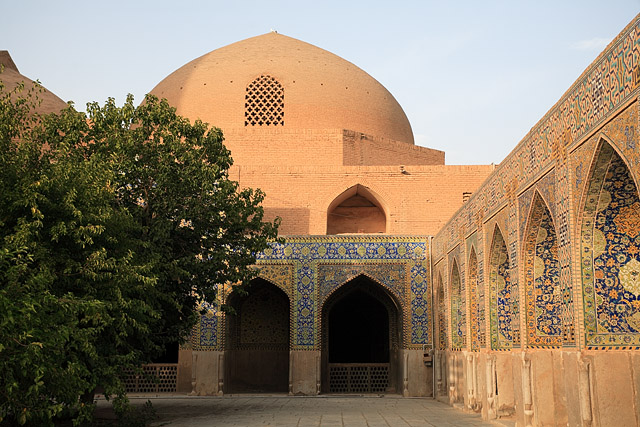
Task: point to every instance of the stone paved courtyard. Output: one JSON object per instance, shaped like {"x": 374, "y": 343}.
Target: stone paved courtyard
{"x": 325, "y": 411}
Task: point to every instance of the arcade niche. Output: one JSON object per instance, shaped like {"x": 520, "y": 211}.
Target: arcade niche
{"x": 258, "y": 340}
{"x": 360, "y": 339}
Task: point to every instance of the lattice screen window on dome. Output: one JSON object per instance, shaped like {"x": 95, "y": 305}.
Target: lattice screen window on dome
{"x": 264, "y": 103}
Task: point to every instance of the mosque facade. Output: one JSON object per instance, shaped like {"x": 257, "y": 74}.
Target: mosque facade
{"x": 510, "y": 290}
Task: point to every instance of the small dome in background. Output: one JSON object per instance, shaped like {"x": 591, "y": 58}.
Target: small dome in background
{"x": 11, "y": 77}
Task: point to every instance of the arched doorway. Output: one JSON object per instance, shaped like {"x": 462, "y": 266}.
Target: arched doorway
{"x": 361, "y": 339}
{"x": 258, "y": 340}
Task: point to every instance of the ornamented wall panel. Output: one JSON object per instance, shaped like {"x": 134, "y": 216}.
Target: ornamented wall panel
{"x": 602, "y": 102}
{"x": 610, "y": 242}
{"x": 609, "y": 82}
{"x": 324, "y": 263}
{"x": 501, "y": 294}
{"x": 543, "y": 291}
{"x": 458, "y": 311}
{"x": 476, "y": 298}
{"x": 208, "y": 332}
{"x": 441, "y": 314}
{"x": 512, "y": 250}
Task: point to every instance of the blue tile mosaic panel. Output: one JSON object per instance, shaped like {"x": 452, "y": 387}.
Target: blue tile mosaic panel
{"x": 543, "y": 291}
{"x": 610, "y": 244}
{"x": 501, "y": 303}
{"x": 310, "y": 268}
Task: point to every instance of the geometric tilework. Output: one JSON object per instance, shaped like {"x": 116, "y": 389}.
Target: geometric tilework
{"x": 419, "y": 326}
{"x": 625, "y": 132}
{"x": 581, "y": 160}
{"x": 280, "y": 275}
{"x": 543, "y": 293}
{"x": 610, "y": 242}
{"x": 511, "y": 294}
{"x": 502, "y": 298}
{"x": 546, "y": 187}
{"x": 559, "y": 204}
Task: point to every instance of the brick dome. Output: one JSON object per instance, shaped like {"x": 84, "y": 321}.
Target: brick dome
{"x": 11, "y": 78}
{"x": 305, "y": 88}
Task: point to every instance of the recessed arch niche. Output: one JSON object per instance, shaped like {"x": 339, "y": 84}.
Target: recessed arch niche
{"x": 610, "y": 252}
{"x": 543, "y": 293}
{"x": 442, "y": 315}
{"x": 476, "y": 303}
{"x": 361, "y": 339}
{"x": 357, "y": 210}
{"x": 458, "y": 324}
{"x": 258, "y": 340}
{"x": 502, "y": 295}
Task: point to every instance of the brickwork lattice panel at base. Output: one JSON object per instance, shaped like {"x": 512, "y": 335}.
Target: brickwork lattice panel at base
{"x": 155, "y": 378}
{"x": 358, "y": 378}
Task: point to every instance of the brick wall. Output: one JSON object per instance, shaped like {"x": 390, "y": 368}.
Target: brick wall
{"x": 418, "y": 201}
{"x": 367, "y": 150}
{"x": 275, "y": 146}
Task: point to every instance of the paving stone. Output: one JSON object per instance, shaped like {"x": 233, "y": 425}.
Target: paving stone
{"x": 288, "y": 411}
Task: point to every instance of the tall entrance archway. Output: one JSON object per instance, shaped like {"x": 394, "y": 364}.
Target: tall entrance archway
{"x": 257, "y": 358}
{"x": 360, "y": 339}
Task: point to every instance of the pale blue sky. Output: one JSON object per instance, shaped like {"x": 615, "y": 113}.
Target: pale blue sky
{"x": 472, "y": 76}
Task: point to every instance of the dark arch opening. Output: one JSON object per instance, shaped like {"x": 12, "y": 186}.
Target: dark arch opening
{"x": 361, "y": 339}
{"x": 169, "y": 354}
{"x": 258, "y": 340}
{"x": 358, "y": 330}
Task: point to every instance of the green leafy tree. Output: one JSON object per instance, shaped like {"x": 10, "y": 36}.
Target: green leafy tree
{"x": 196, "y": 228}
{"x": 113, "y": 226}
